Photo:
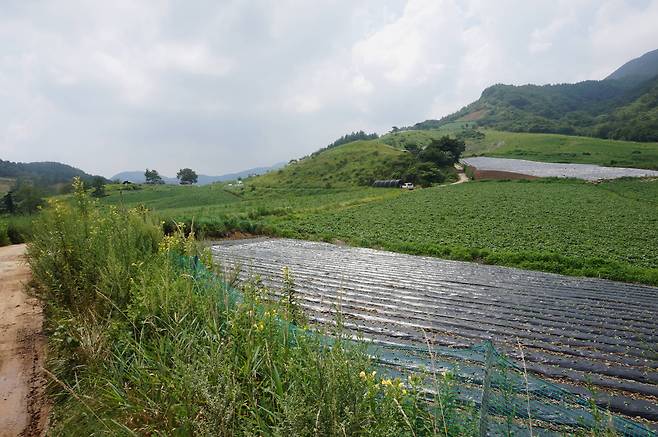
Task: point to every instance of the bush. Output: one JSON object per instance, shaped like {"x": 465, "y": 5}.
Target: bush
{"x": 19, "y": 229}
{"x": 80, "y": 249}
{"x": 4, "y": 238}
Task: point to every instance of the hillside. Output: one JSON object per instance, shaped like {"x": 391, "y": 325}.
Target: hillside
{"x": 355, "y": 163}
{"x": 6, "y": 184}
{"x": 43, "y": 174}
{"x": 623, "y": 106}
{"x": 564, "y": 148}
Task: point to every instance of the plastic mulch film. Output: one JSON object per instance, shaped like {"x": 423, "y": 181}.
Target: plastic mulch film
{"x": 510, "y": 401}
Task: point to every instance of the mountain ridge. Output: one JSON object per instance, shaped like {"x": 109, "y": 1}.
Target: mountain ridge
{"x": 641, "y": 68}
{"x": 623, "y": 106}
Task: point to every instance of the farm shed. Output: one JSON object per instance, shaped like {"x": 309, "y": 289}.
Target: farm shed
{"x": 388, "y": 183}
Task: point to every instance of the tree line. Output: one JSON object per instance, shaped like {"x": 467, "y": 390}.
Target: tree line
{"x": 185, "y": 176}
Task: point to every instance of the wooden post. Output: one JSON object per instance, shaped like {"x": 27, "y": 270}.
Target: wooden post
{"x": 486, "y": 388}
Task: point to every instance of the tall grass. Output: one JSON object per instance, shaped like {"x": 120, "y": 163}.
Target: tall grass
{"x": 15, "y": 229}
{"x": 140, "y": 344}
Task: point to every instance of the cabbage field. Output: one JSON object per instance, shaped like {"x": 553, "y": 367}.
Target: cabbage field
{"x": 572, "y": 227}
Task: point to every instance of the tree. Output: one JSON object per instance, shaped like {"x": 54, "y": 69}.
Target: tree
{"x": 412, "y": 148}
{"x": 27, "y": 198}
{"x": 187, "y": 176}
{"x": 424, "y": 174}
{"x": 98, "y": 185}
{"x": 8, "y": 201}
{"x": 443, "y": 152}
{"x": 152, "y": 177}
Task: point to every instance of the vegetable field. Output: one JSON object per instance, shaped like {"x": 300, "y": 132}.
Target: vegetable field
{"x": 582, "y": 333}
{"x": 570, "y": 227}
{"x": 564, "y": 226}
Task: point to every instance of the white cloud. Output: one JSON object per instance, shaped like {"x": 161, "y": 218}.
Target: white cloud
{"x": 222, "y": 86}
{"x": 409, "y": 49}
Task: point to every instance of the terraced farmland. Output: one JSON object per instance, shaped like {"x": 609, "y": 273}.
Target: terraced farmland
{"x": 575, "y": 331}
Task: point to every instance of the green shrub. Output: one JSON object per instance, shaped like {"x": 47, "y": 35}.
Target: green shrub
{"x": 80, "y": 249}
{"x": 19, "y": 229}
{"x": 4, "y": 238}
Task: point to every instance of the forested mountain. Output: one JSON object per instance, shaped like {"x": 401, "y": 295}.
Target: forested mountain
{"x": 623, "y": 106}
{"x": 44, "y": 174}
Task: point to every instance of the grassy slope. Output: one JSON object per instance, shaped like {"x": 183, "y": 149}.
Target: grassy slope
{"x": 217, "y": 209}
{"x": 348, "y": 165}
{"x": 163, "y": 197}
{"x": 565, "y": 148}
{"x": 541, "y": 147}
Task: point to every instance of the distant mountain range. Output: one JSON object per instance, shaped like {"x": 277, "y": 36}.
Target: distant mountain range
{"x": 137, "y": 176}
{"x": 623, "y": 106}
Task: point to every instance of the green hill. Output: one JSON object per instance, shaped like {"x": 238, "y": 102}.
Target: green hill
{"x": 535, "y": 146}
{"x": 42, "y": 174}
{"x": 564, "y": 148}
{"x": 623, "y": 106}
{"x": 352, "y": 164}
{"x": 360, "y": 163}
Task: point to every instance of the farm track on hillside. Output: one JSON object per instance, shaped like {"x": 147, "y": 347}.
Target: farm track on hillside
{"x": 575, "y": 331}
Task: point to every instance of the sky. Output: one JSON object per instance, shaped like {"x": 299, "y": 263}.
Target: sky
{"x": 222, "y": 86}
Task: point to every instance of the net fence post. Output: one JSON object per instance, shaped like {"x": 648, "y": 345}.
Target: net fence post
{"x": 486, "y": 388}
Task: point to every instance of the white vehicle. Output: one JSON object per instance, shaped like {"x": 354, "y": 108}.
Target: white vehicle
{"x": 407, "y": 186}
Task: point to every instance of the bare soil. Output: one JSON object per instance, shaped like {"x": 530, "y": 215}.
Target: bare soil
{"x": 501, "y": 175}
{"x": 460, "y": 174}
{"x": 23, "y": 406}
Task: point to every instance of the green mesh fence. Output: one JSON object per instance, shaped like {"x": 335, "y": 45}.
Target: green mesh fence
{"x": 511, "y": 402}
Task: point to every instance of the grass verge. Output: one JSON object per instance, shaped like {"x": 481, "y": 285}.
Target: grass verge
{"x": 140, "y": 344}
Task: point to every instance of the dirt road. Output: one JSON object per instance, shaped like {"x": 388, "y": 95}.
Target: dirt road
{"x": 460, "y": 173}
{"x": 22, "y": 345}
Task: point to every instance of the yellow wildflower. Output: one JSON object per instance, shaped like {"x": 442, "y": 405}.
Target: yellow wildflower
{"x": 362, "y": 375}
